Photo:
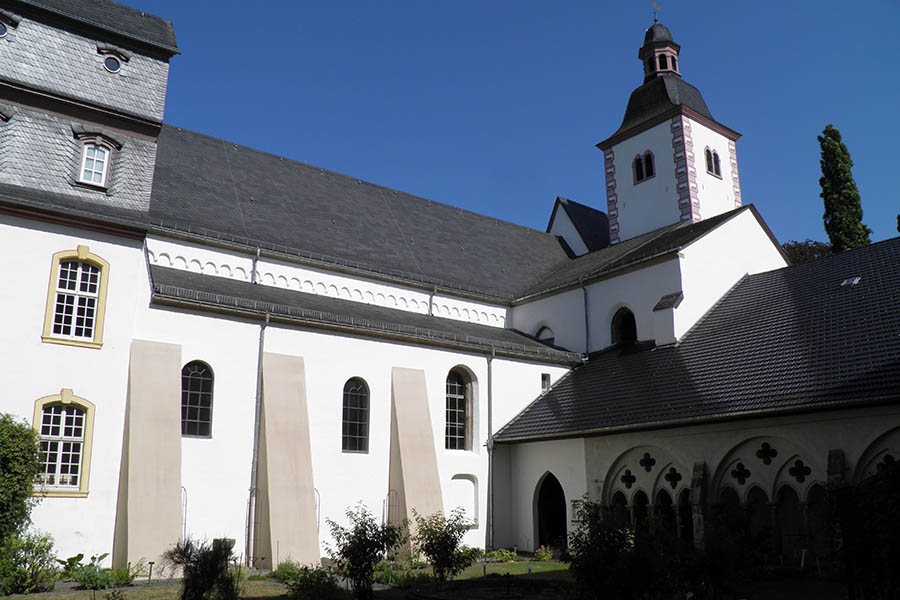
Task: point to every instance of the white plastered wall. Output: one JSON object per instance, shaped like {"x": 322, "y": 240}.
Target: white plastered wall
{"x": 652, "y": 203}
{"x": 32, "y": 369}
{"x": 563, "y": 227}
{"x": 716, "y": 195}
{"x": 562, "y": 312}
{"x": 639, "y": 291}
{"x": 522, "y": 467}
{"x": 711, "y": 265}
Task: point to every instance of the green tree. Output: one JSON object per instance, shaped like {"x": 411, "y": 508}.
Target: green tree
{"x": 806, "y": 251}
{"x": 19, "y": 467}
{"x": 843, "y": 210}
{"x": 439, "y": 538}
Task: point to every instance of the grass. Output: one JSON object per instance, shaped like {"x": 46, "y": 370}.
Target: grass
{"x": 163, "y": 590}
{"x": 539, "y": 568}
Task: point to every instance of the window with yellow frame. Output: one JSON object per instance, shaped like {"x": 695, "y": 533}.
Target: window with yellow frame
{"x": 65, "y": 426}
{"x": 76, "y": 299}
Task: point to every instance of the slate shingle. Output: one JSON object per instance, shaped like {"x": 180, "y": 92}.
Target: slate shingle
{"x": 785, "y": 340}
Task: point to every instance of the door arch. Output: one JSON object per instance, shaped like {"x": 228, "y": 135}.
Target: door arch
{"x": 550, "y": 513}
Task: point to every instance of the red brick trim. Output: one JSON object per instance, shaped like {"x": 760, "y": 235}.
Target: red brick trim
{"x": 685, "y": 171}
{"x": 735, "y": 178}
{"x": 612, "y": 210}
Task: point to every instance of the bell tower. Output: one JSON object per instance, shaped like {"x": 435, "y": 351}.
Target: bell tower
{"x": 669, "y": 161}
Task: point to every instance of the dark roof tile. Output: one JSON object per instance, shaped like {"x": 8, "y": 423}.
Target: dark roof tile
{"x": 785, "y": 340}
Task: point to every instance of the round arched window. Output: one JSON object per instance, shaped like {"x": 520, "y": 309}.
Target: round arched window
{"x": 545, "y": 334}
{"x": 624, "y": 327}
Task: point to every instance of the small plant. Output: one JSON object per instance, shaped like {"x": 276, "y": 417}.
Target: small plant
{"x": 69, "y": 566}
{"x": 114, "y": 595}
{"x": 310, "y": 583}
{"x": 285, "y": 570}
{"x": 500, "y": 555}
{"x": 27, "y": 564}
{"x": 361, "y": 547}
{"x": 206, "y": 569}
{"x": 543, "y": 553}
{"x": 92, "y": 577}
{"x": 438, "y": 538}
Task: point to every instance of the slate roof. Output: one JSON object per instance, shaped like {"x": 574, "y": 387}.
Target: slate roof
{"x": 788, "y": 340}
{"x": 657, "y": 33}
{"x": 114, "y": 18}
{"x": 658, "y": 96}
{"x": 218, "y": 293}
{"x": 666, "y": 240}
{"x": 205, "y": 184}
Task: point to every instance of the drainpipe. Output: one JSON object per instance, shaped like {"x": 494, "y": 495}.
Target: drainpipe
{"x": 254, "y": 464}
{"x": 431, "y": 301}
{"x": 253, "y": 267}
{"x": 490, "y": 449}
{"x": 587, "y": 323}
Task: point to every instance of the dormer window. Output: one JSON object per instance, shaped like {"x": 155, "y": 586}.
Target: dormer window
{"x": 713, "y": 166}
{"x": 98, "y": 151}
{"x": 94, "y": 165}
{"x": 113, "y": 57}
{"x": 643, "y": 167}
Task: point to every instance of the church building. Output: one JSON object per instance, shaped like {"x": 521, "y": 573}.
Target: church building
{"x": 216, "y": 342}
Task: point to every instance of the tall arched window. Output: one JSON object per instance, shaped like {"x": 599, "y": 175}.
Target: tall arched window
{"x": 355, "y": 420}
{"x": 648, "y": 165}
{"x": 623, "y": 328}
{"x": 713, "y": 166}
{"x": 717, "y": 169}
{"x": 65, "y": 424}
{"x": 76, "y": 300}
{"x": 709, "y": 161}
{"x": 196, "y": 399}
{"x": 638, "y": 167}
{"x": 458, "y": 430}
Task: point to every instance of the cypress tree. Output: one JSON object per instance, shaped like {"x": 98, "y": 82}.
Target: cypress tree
{"x": 843, "y": 211}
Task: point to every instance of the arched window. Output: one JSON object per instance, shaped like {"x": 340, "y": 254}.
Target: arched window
{"x": 674, "y": 63}
{"x": 717, "y": 169}
{"x": 624, "y": 327}
{"x": 713, "y": 166}
{"x": 638, "y": 167}
{"x": 196, "y": 399}
{"x": 355, "y": 420}
{"x": 709, "y": 161}
{"x": 458, "y": 430}
{"x": 65, "y": 425}
{"x": 663, "y": 62}
{"x": 76, "y": 300}
{"x": 648, "y": 165}
{"x": 545, "y": 334}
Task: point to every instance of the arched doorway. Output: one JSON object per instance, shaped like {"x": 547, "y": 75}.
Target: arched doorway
{"x": 551, "y": 513}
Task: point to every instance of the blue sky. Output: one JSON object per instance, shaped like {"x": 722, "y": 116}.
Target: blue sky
{"x": 496, "y": 106}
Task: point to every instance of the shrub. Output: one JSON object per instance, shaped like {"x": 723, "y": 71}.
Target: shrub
{"x": 27, "y": 564}
{"x": 361, "y": 547}
{"x": 19, "y": 467}
{"x": 69, "y": 565}
{"x": 92, "y": 577}
{"x": 310, "y": 583}
{"x": 543, "y": 553}
{"x": 438, "y": 538}
{"x": 500, "y": 555}
{"x": 206, "y": 572}
{"x": 285, "y": 570}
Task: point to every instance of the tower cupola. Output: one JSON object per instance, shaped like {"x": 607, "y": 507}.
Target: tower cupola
{"x": 659, "y": 54}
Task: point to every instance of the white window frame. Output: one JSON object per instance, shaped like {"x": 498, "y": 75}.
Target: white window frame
{"x": 72, "y": 410}
{"x": 83, "y": 167}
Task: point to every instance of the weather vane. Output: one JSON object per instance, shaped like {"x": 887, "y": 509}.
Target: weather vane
{"x": 656, "y": 7}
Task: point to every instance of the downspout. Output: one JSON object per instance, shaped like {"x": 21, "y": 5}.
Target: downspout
{"x": 253, "y": 267}
{"x": 490, "y": 449}
{"x": 254, "y": 464}
{"x": 431, "y": 301}
{"x": 587, "y": 323}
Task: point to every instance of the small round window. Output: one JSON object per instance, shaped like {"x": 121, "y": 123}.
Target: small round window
{"x": 3, "y": 30}
{"x": 112, "y": 64}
